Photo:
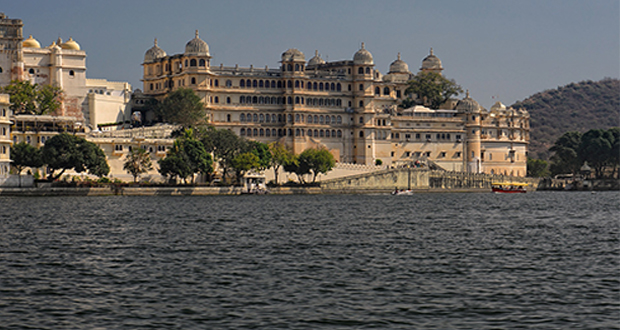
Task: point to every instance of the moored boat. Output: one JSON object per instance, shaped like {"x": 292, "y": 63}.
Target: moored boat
{"x": 509, "y": 187}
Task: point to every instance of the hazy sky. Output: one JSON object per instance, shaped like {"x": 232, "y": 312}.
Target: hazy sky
{"x": 507, "y": 49}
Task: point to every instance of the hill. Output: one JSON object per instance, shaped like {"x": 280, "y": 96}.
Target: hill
{"x": 575, "y": 107}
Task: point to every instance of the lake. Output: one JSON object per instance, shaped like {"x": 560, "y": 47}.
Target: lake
{"x": 541, "y": 260}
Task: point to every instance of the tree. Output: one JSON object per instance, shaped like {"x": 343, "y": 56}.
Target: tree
{"x": 244, "y": 162}
{"x": 65, "y": 151}
{"x": 432, "y": 88}
{"x": 317, "y": 161}
{"x": 138, "y": 162}
{"x": 300, "y": 169}
{"x": 36, "y": 99}
{"x": 566, "y": 157}
{"x": 25, "y": 155}
{"x": 224, "y": 145}
{"x": 281, "y": 155}
{"x": 596, "y": 148}
{"x": 186, "y": 157}
{"x": 261, "y": 150}
{"x": 537, "y": 168}
{"x": 614, "y": 158}
{"x": 182, "y": 107}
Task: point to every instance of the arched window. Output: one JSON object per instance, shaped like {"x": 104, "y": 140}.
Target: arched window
{"x": 241, "y": 99}
{"x": 377, "y": 91}
{"x": 268, "y": 132}
{"x": 360, "y": 70}
{"x": 333, "y": 133}
{"x": 242, "y": 132}
{"x": 316, "y": 119}
{"x": 71, "y": 73}
{"x": 327, "y": 120}
{"x": 268, "y": 118}
{"x": 361, "y": 134}
{"x": 279, "y": 118}
{"x": 242, "y": 117}
{"x": 261, "y": 118}
{"x": 192, "y": 62}
{"x": 332, "y": 86}
{"x": 249, "y": 132}
{"x": 297, "y": 132}
{"x": 273, "y": 132}
{"x": 367, "y": 70}
{"x": 255, "y": 118}
{"x": 289, "y": 67}
{"x": 279, "y": 84}
{"x": 151, "y": 86}
{"x": 273, "y": 100}
{"x": 261, "y": 132}
{"x": 338, "y": 87}
{"x": 296, "y": 67}
{"x": 228, "y": 83}
{"x": 297, "y": 118}
{"x": 321, "y": 119}
{"x": 1, "y": 69}
{"x": 31, "y": 71}
{"x": 320, "y": 86}
{"x": 273, "y": 118}
{"x": 386, "y": 91}
{"x": 273, "y": 84}
{"x": 261, "y": 100}
{"x": 185, "y": 64}
{"x": 260, "y": 84}
{"x": 242, "y": 83}
{"x": 290, "y": 100}
{"x": 290, "y": 118}
{"x": 314, "y": 86}
{"x": 279, "y": 132}
{"x": 217, "y": 99}
{"x": 201, "y": 63}
{"x": 217, "y": 83}
{"x": 361, "y": 104}
{"x": 254, "y": 83}
{"x": 297, "y": 100}
{"x": 339, "y": 120}
{"x": 316, "y": 133}
{"x": 290, "y": 84}
{"x": 193, "y": 81}
{"x": 254, "y": 100}
{"x": 255, "y": 133}
{"x": 326, "y": 133}
{"x": 309, "y": 120}
{"x": 361, "y": 87}
{"x": 296, "y": 83}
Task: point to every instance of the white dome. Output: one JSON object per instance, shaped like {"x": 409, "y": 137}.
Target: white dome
{"x": 363, "y": 56}
{"x": 196, "y": 46}
{"x": 316, "y": 60}
{"x": 293, "y": 54}
{"x": 154, "y": 53}
{"x": 399, "y": 66}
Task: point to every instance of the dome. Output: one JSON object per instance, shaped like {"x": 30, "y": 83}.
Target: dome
{"x": 498, "y": 106}
{"x": 431, "y": 62}
{"x": 399, "y": 66}
{"x": 293, "y": 54}
{"x": 70, "y": 44}
{"x": 31, "y": 43}
{"x": 196, "y": 46}
{"x": 154, "y": 53}
{"x": 363, "y": 56}
{"x": 468, "y": 105}
{"x": 316, "y": 60}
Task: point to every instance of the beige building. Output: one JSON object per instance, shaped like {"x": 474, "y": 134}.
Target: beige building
{"x": 5, "y": 136}
{"x": 346, "y": 106}
{"x": 95, "y": 103}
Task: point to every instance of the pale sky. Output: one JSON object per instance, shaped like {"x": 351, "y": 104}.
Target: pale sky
{"x": 503, "y": 49}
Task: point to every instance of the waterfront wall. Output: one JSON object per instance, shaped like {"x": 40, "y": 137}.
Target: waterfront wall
{"x": 421, "y": 180}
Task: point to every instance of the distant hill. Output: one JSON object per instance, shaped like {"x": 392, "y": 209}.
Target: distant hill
{"x": 575, "y": 107}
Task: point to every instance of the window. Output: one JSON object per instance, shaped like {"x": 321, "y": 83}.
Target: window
{"x": 361, "y": 87}
{"x": 217, "y": 99}
{"x": 1, "y": 69}
{"x": 31, "y": 71}
{"x": 228, "y": 118}
{"x": 227, "y": 100}
{"x": 386, "y": 91}
{"x": 360, "y": 71}
{"x": 228, "y": 83}
{"x": 201, "y": 63}
{"x": 193, "y": 81}
{"x": 367, "y": 70}
{"x": 192, "y": 62}
{"x": 217, "y": 83}
{"x": 71, "y": 73}
{"x": 377, "y": 90}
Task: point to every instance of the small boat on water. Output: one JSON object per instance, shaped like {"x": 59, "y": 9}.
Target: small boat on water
{"x": 509, "y": 187}
{"x": 398, "y": 192}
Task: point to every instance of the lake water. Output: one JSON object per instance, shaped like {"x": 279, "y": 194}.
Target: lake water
{"x": 542, "y": 260}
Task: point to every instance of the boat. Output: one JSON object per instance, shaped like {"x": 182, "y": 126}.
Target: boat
{"x": 402, "y": 192}
{"x": 509, "y": 187}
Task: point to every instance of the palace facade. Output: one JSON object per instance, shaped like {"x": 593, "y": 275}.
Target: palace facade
{"x": 346, "y": 106}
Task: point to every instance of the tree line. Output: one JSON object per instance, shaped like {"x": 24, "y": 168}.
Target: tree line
{"x": 598, "y": 148}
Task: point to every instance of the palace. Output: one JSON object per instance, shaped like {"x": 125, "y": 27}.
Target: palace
{"x": 346, "y": 106}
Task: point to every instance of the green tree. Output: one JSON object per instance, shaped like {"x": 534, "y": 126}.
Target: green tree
{"x": 175, "y": 165}
{"x": 65, "y": 151}
{"x": 596, "y": 149}
{"x": 224, "y": 145}
{"x": 281, "y": 155}
{"x": 614, "y": 158}
{"x": 243, "y": 163}
{"x": 537, "y": 168}
{"x": 36, "y": 99}
{"x": 138, "y": 162}
{"x": 25, "y": 155}
{"x": 199, "y": 160}
{"x": 261, "y": 150}
{"x": 293, "y": 165}
{"x": 565, "y": 158}
{"x": 432, "y": 88}
{"x": 317, "y": 161}
{"x": 182, "y": 107}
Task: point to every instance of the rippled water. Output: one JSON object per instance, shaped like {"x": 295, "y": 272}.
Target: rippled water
{"x": 543, "y": 260}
